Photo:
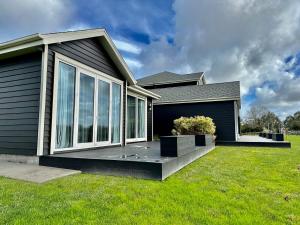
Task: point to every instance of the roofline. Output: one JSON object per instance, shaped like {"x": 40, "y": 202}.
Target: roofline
{"x": 171, "y": 82}
{"x": 144, "y": 91}
{"x": 198, "y": 100}
{"x": 52, "y": 38}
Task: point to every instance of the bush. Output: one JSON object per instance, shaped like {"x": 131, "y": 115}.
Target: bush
{"x": 193, "y": 126}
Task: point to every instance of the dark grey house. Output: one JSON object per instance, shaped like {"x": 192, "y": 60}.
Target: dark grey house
{"x": 69, "y": 91}
{"x": 189, "y": 95}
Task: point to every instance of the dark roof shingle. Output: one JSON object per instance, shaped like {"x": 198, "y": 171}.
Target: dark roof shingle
{"x": 194, "y": 93}
{"x": 168, "y": 77}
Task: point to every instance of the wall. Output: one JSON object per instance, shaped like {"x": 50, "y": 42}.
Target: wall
{"x": 222, "y": 114}
{"x": 19, "y": 104}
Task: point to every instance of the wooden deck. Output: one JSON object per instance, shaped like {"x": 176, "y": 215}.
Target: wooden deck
{"x": 255, "y": 141}
{"x": 141, "y": 160}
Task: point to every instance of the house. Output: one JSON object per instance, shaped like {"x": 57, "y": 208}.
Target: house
{"x": 190, "y": 95}
{"x": 69, "y": 91}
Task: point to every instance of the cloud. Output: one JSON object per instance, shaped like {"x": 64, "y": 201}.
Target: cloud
{"x": 19, "y": 18}
{"x": 244, "y": 40}
{"x": 127, "y": 47}
{"x": 133, "y": 63}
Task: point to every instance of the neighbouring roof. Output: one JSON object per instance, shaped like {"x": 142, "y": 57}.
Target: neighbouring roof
{"x": 168, "y": 78}
{"x": 199, "y": 93}
{"x": 51, "y": 38}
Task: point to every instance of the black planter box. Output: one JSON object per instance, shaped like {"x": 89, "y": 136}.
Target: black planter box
{"x": 277, "y": 137}
{"x": 174, "y": 146}
{"x": 204, "y": 140}
{"x": 269, "y": 135}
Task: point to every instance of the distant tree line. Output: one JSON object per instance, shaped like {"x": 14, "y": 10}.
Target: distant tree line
{"x": 260, "y": 119}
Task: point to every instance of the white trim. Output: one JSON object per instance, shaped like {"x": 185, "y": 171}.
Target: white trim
{"x": 197, "y": 100}
{"x": 51, "y": 38}
{"x": 40, "y": 141}
{"x": 21, "y": 47}
{"x": 136, "y": 96}
{"x": 143, "y": 91}
{"x": 236, "y": 118}
{"x": 125, "y": 119}
{"x": 97, "y": 75}
{"x": 152, "y": 108}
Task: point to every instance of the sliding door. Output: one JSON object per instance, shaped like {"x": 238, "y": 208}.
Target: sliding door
{"x": 141, "y": 119}
{"x": 65, "y": 106}
{"x": 103, "y": 111}
{"x": 131, "y": 117}
{"x": 136, "y": 119}
{"x": 87, "y": 109}
{"x": 116, "y": 113}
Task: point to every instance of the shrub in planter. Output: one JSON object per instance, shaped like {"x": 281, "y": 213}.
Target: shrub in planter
{"x": 202, "y": 127}
{"x": 196, "y": 125}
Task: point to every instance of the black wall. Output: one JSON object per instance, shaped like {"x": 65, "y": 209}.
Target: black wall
{"x": 87, "y": 51}
{"x": 149, "y": 119}
{"x": 19, "y": 104}
{"x": 222, "y": 114}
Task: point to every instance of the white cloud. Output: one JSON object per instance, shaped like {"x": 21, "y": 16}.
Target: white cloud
{"x": 133, "y": 63}
{"x": 23, "y": 17}
{"x": 244, "y": 40}
{"x": 127, "y": 47}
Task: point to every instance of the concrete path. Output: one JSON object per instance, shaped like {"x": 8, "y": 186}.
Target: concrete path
{"x": 33, "y": 173}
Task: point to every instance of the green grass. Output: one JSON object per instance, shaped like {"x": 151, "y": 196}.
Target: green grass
{"x": 230, "y": 185}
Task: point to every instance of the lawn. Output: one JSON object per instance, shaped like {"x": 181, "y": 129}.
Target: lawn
{"x": 230, "y": 185}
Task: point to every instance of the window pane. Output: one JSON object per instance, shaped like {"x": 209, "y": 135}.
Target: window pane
{"x": 86, "y": 109}
{"x": 103, "y": 111}
{"x": 65, "y": 106}
{"x": 141, "y": 118}
{"x": 131, "y": 123}
{"x": 115, "y": 113}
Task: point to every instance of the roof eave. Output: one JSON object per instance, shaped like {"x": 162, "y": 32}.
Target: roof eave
{"x": 144, "y": 91}
{"x": 41, "y": 39}
{"x": 197, "y": 100}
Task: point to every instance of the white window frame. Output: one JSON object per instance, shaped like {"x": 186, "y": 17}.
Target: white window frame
{"x": 97, "y": 75}
{"x": 136, "y": 96}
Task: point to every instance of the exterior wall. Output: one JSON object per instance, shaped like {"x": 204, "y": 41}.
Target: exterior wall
{"x": 86, "y": 51}
{"x": 222, "y": 114}
{"x": 19, "y": 104}
{"x": 149, "y": 119}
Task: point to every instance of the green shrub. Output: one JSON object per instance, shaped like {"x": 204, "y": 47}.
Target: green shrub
{"x": 193, "y": 126}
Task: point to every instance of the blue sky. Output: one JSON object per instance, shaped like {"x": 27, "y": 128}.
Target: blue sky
{"x": 256, "y": 42}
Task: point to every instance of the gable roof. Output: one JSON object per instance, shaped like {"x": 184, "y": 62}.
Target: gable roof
{"x": 51, "y": 38}
{"x": 168, "y": 78}
{"x": 198, "y": 93}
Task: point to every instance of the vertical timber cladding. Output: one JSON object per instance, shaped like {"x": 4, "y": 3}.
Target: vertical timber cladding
{"x": 149, "y": 119}
{"x": 86, "y": 51}
{"x": 20, "y": 79}
{"x": 221, "y": 112}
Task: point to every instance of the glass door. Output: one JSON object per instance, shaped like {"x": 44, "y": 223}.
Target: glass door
{"x": 86, "y": 109}
{"x": 136, "y": 119}
{"x": 103, "y": 116}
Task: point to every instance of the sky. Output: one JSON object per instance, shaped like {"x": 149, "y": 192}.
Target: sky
{"x": 253, "y": 41}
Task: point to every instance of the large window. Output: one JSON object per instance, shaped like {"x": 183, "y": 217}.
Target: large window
{"x": 103, "y": 111}
{"x": 136, "y": 118}
{"x": 87, "y": 105}
{"x": 86, "y": 109}
{"x": 116, "y": 113}
{"x": 65, "y": 106}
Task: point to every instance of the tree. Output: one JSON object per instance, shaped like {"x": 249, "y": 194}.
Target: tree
{"x": 259, "y": 118}
{"x": 271, "y": 122}
{"x": 293, "y": 122}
